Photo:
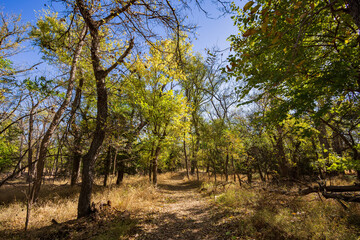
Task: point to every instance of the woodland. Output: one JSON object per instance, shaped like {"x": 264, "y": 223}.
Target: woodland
{"x": 134, "y": 135}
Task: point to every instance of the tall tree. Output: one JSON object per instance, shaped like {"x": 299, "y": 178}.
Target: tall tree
{"x": 131, "y": 21}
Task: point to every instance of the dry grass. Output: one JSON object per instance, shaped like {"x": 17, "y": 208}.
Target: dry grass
{"x": 261, "y": 214}
{"x": 59, "y": 202}
{"x": 253, "y": 213}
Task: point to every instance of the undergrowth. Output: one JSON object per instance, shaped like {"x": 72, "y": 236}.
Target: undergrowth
{"x": 260, "y": 214}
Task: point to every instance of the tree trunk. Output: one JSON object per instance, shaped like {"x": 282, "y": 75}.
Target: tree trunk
{"x": 155, "y": 164}
{"x": 194, "y": 161}
{"x": 197, "y": 172}
{"x": 233, "y": 166}
{"x": 76, "y": 148}
{"x": 260, "y": 173}
{"x": 90, "y": 157}
{"x": 186, "y": 160}
{"x": 121, "y": 169}
{"x": 226, "y": 166}
{"x": 30, "y": 147}
{"x": 214, "y": 167}
{"x": 150, "y": 167}
{"x": 75, "y": 168}
{"x": 107, "y": 165}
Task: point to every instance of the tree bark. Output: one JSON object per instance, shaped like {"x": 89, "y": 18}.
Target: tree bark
{"x": 155, "y": 164}
{"x": 76, "y": 148}
{"x": 186, "y": 160}
{"x": 30, "y": 150}
{"x": 107, "y": 165}
{"x": 121, "y": 169}
{"x": 226, "y": 166}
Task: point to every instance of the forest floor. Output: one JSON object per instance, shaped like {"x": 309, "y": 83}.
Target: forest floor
{"x": 179, "y": 208}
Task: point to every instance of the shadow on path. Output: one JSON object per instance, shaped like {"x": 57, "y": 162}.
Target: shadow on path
{"x": 198, "y": 223}
{"x": 184, "y": 214}
{"x": 185, "y": 186}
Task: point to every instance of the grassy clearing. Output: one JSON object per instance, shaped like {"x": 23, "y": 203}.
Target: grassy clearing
{"x": 259, "y": 214}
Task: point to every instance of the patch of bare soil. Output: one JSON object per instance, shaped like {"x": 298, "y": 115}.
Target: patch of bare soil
{"x": 184, "y": 214}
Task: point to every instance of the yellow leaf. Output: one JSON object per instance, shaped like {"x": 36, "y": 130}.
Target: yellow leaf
{"x": 248, "y": 5}
{"x": 303, "y": 15}
{"x": 312, "y": 6}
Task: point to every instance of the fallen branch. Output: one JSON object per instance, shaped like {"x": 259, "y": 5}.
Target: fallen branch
{"x": 334, "y": 192}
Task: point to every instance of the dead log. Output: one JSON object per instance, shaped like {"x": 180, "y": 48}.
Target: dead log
{"x": 334, "y": 192}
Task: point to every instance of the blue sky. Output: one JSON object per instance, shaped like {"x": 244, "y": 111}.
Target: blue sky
{"x": 211, "y": 32}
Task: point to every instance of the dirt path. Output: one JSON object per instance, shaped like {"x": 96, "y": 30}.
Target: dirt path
{"x": 183, "y": 214}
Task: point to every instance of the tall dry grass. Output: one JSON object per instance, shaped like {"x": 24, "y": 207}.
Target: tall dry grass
{"x": 59, "y": 202}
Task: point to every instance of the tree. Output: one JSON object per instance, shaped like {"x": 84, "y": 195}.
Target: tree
{"x": 152, "y": 85}
{"x": 297, "y": 54}
{"x": 132, "y": 21}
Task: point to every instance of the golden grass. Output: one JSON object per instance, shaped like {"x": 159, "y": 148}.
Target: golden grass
{"x": 60, "y": 202}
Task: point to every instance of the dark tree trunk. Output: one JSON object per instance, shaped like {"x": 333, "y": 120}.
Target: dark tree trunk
{"x": 194, "y": 160}
{"x": 249, "y": 176}
{"x": 30, "y": 147}
{"x": 155, "y": 164}
{"x": 226, "y": 166}
{"x": 193, "y": 166}
{"x": 90, "y": 158}
{"x": 121, "y": 169}
{"x": 233, "y": 166}
{"x": 186, "y": 160}
{"x": 107, "y": 166}
{"x": 260, "y": 173}
{"x": 150, "y": 170}
{"x": 76, "y": 148}
{"x": 214, "y": 168}
{"x": 75, "y": 169}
